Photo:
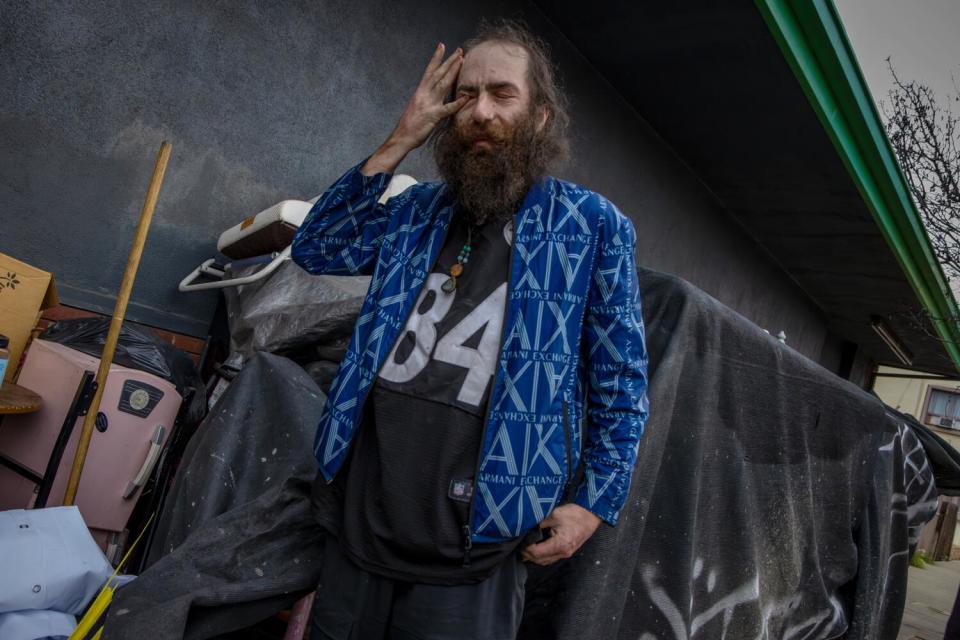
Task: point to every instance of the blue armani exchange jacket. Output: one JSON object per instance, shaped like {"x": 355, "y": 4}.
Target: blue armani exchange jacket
{"x": 572, "y": 340}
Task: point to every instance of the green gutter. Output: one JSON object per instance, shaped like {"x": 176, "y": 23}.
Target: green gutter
{"x": 812, "y": 39}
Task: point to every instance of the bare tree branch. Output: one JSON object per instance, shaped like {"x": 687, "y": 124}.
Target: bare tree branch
{"x": 926, "y": 139}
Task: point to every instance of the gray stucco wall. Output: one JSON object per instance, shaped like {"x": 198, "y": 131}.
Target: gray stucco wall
{"x": 268, "y": 101}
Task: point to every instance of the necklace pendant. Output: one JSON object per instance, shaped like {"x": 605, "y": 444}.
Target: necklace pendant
{"x": 449, "y": 285}
{"x": 456, "y": 270}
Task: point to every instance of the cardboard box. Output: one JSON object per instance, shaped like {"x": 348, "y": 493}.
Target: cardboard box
{"x": 25, "y": 291}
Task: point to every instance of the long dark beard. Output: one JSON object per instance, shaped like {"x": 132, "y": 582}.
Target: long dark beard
{"x": 490, "y": 184}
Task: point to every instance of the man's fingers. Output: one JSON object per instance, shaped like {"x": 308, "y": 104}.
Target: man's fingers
{"x": 549, "y": 521}
{"x": 451, "y": 108}
{"x": 546, "y": 552}
{"x": 571, "y": 526}
{"x": 449, "y": 78}
{"x": 434, "y": 63}
{"x": 543, "y": 550}
{"x": 543, "y": 562}
{"x": 445, "y": 73}
{"x": 553, "y": 548}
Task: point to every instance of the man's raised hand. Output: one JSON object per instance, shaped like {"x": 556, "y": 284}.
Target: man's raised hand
{"x": 425, "y": 110}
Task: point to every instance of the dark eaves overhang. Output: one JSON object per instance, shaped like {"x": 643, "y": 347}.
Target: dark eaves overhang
{"x": 764, "y": 102}
{"x": 811, "y": 36}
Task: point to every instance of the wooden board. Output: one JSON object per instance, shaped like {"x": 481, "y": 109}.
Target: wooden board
{"x": 17, "y": 399}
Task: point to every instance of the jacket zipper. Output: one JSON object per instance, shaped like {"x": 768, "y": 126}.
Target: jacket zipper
{"x": 467, "y": 531}
{"x": 406, "y": 317}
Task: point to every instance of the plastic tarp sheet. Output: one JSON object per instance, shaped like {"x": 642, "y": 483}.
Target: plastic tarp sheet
{"x": 771, "y": 500}
{"x": 259, "y": 434}
{"x": 137, "y": 348}
{"x": 291, "y": 309}
{"x": 944, "y": 459}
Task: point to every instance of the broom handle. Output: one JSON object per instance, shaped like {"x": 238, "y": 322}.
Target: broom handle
{"x": 109, "y": 347}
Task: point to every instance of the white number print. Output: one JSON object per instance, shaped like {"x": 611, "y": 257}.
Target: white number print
{"x": 424, "y": 330}
{"x": 479, "y": 362}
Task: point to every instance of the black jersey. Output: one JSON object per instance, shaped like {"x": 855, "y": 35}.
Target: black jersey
{"x": 410, "y": 478}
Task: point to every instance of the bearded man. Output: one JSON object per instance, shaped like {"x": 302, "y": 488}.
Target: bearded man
{"x": 489, "y": 406}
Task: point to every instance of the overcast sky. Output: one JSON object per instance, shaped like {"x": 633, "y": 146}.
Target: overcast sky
{"x": 922, "y": 38}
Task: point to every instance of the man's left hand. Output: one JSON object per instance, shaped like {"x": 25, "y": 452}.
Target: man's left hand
{"x": 570, "y": 526}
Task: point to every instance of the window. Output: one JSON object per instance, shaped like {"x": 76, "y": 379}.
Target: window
{"x": 943, "y": 408}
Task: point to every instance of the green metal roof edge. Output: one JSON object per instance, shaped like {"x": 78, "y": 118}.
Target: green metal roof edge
{"x": 811, "y": 36}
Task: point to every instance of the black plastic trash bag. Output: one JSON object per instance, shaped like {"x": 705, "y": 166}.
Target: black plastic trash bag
{"x": 137, "y": 348}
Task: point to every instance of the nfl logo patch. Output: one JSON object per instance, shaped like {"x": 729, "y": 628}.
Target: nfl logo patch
{"x": 460, "y": 490}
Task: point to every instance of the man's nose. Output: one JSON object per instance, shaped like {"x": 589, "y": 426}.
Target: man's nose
{"x": 483, "y": 110}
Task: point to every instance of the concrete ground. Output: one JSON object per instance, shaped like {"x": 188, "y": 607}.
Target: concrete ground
{"x": 930, "y": 596}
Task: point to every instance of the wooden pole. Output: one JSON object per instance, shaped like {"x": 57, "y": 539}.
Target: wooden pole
{"x": 109, "y": 347}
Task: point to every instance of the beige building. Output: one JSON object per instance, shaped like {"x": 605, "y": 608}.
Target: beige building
{"x": 934, "y": 401}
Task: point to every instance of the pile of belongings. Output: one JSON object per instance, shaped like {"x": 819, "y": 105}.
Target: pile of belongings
{"x": 771, "y": 499}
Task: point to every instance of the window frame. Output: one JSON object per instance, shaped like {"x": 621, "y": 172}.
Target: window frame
{"x": 955, "y": 391}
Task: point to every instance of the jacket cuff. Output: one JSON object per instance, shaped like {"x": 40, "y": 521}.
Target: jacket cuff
{"x": 602, "y": 506}
{"x": 354, "y": 180}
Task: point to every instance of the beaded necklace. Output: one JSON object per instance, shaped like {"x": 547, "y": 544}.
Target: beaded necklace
{"x": 462, "y": 259}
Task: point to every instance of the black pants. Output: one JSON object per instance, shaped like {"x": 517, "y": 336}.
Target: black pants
{"x": 352, "y": 604}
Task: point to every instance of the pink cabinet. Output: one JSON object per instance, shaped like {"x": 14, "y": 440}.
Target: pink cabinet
{"x": 138, "y": 413}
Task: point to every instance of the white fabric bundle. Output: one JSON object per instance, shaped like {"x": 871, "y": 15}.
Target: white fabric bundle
{"x": 51, "y": 569}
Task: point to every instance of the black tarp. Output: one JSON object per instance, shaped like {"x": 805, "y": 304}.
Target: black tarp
{"x": 259, "y": 434}
{"x": 771, "y": 499}
{"x": 944, "y": 459}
